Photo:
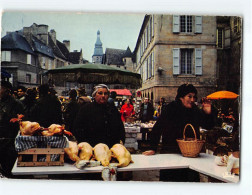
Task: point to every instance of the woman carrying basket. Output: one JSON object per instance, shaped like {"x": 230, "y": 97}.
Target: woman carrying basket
{"x": 175, "y": 116}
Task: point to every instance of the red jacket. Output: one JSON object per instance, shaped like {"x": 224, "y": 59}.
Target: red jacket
{"x": 127, "y": 110}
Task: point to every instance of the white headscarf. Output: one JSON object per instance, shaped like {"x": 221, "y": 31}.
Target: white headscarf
{"x": 98, "y": 87}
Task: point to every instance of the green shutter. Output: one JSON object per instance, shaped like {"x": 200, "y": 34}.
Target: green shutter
{"x": 176, "y": 67}
{"x": 198, "y": 61}
{"x": 175, "y": 23}
{"x": 198, "y": 24}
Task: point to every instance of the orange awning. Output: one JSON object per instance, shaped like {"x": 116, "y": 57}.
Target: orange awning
{"x": 222, "y": 95}
{"x": 125, "y": 92}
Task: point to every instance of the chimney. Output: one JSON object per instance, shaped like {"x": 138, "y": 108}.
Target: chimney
{"x": 53, "y": 35}
{"x": 42, "y": 33}
{"x": 27, "y": 32}
{"x": 67, "y": 44}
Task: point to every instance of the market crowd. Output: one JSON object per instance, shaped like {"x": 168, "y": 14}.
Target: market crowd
{"x": 96, "y": 119}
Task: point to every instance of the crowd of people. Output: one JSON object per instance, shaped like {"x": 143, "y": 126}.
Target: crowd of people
{"x": 96, "y": 119}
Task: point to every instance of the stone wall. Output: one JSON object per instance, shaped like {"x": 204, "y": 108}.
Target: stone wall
{"x": 165, "y": 83}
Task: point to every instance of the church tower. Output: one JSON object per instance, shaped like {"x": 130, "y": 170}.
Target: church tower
{"x": 98, "y": 51}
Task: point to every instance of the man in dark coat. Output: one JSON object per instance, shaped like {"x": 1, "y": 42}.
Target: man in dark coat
{"x": 99, "y": 121}
{"x": 71, "y": 110}
{"x": 9, "y": 108}
{"x": 47, "y": 110}
{"x": 146, "y": 111}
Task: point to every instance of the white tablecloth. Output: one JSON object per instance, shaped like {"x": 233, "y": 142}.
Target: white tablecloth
{"x": 203, "y": 164}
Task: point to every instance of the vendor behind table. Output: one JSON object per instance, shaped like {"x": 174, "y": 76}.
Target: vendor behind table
{"x": 99, "y": 121}
{"x": 174, "y": 118}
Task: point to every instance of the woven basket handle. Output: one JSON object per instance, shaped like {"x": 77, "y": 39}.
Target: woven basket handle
{"x": 192, "y": 129}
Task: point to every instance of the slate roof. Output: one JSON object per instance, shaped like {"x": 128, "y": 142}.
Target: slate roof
{"x": 115, "y": 56}
{"x": 55, "y": 49}
{"x": 40, "y": 47}
{"x": 15, "y": 41}
{"x": 63, "y": 48}
{"x": 74, "y": 57}
{"x": 128, "y": 53}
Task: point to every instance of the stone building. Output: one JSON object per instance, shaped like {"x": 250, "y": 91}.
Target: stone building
{"x": 118, "y": 58}
{"x": 229, "y": 44}
{"x": 28, "y": 53}
{"x": 121, "y": 59}
{"x": 175, "y": 49}
{"x": 22, "y": 60}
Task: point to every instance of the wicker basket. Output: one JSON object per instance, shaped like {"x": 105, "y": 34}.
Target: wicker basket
{"x": 190, "y": 147}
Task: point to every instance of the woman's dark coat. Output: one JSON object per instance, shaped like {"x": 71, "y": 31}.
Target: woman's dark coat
{"x": 171, "y": 124}
{"x": 99, "y": 123}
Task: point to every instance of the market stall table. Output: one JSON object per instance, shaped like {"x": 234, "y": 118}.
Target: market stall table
{"x": 203, "y": 164}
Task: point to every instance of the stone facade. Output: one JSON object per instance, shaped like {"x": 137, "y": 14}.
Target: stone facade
{"x": 229, "y": 53}
{"x": 155, "y": 58}
{"x": 34, "y": 50}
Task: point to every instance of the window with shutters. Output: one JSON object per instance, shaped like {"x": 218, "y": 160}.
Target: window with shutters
{"x": 237, "y": 25}
{"x": 6, "y": 56}
{"x": 152, "y": 24}
{"x": 147, "y": 68}
{"x": 186, "y": 61}
{"x": 151, "y": 28}
{"x": 186, "y": 24}
{"x": 219, "y": 38}
{"x": 150, "y": 63}
{"x": 147, "y": 35}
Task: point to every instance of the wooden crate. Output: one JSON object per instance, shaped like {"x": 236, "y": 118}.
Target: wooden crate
{"x": 41, "y": 151}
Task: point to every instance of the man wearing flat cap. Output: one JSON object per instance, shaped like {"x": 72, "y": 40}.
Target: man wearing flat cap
{"x": 9, "y": 108}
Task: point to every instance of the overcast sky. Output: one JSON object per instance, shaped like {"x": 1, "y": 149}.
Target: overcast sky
{"x": 118, "y": 31}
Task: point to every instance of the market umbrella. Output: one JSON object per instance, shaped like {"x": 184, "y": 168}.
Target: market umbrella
{"x": 222, "y": 95}
{"x": 124, "y": 92}
{"x": 93, "y": 73}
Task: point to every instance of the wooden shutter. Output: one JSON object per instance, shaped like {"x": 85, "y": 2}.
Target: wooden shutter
{"x": 198, "y": 24}
{"x": 28, "y": 58}
{"x": 198, "y": 61}
{"x": 146, "y": 69}
{"x": 152, "y": 61}
{"x": 227, "y": 38}
{"x": 175, "y": 23}
{"x": 176, "y": 65}
{"x": 152, "y": 32}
